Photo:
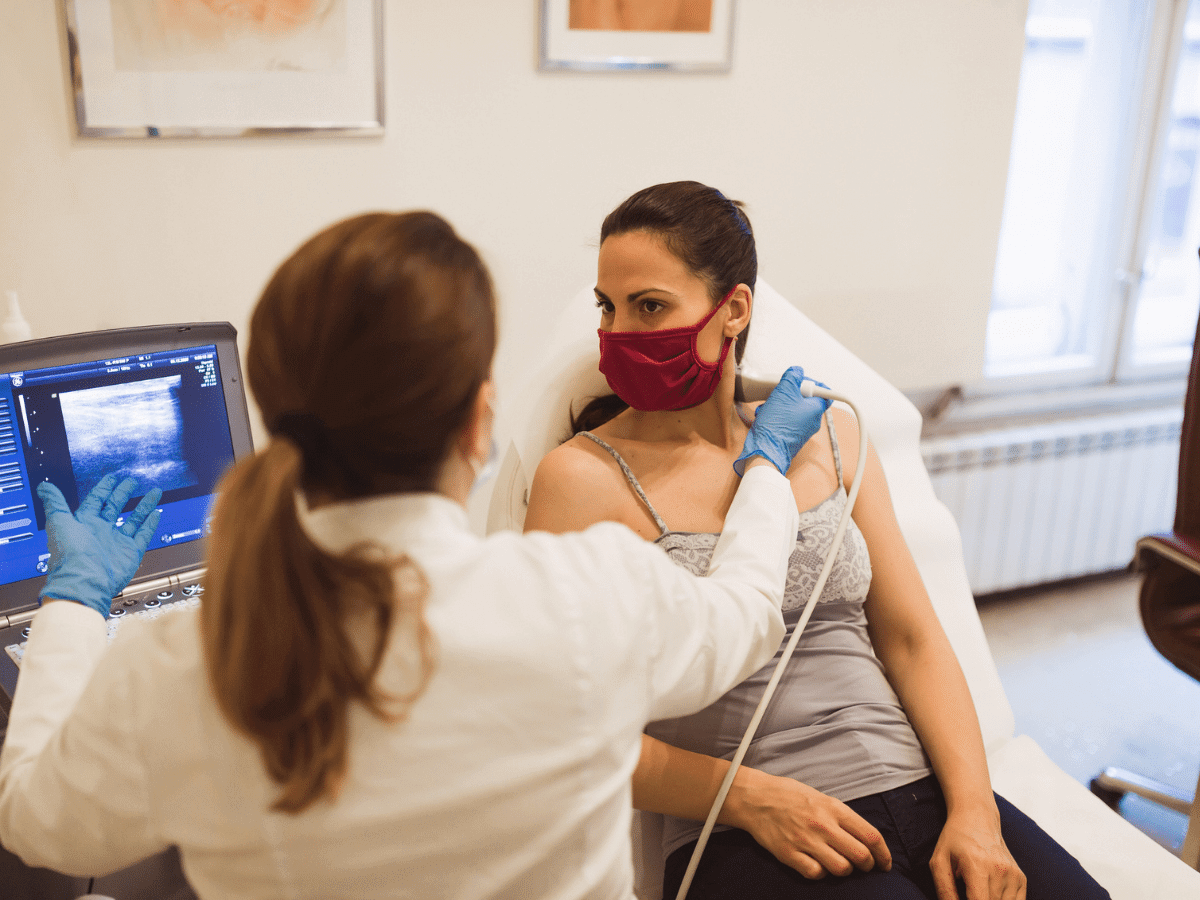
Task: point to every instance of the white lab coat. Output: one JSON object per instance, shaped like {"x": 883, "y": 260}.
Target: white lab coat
{"x": 510, "y": 776}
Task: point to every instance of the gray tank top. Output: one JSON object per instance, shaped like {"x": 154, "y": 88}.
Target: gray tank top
{"x": 834, "y": 723}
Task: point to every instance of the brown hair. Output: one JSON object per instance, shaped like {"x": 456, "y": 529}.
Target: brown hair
{"x": 367, "y": 351}
{"x": 705, "y": 230}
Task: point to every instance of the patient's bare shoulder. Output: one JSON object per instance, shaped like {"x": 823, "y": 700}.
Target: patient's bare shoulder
{"x": 576, "y": 485}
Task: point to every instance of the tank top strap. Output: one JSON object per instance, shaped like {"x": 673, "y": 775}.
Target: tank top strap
{"x": 632, "y": 479}
{"x": 837, "y": 454}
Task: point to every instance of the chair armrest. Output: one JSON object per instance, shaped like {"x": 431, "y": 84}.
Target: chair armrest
{"x": 1179, "y": 549}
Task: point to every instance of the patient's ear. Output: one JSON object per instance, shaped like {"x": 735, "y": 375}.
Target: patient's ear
{"x": 741, "y": 303}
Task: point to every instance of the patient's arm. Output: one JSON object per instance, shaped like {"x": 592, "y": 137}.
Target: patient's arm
{"x": 922, "y": 668}
{"x": 803, "y": 828}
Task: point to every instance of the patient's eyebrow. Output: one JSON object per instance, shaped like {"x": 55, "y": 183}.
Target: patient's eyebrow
{"x": 636, "y": 295}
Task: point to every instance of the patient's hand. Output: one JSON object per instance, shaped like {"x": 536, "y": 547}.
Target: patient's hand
{"x": 971, "y": 848}
{"x": 803, "y": 828}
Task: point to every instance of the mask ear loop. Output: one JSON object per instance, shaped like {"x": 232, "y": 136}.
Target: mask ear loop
{"x": 726, "y": 343}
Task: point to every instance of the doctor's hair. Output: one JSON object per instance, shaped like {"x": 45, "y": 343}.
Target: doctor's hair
{"x": 707, "y": 232}
{"x": 368, "y": 349}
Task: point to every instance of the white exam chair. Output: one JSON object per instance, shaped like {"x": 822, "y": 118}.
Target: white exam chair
{"x": 1128, "y": 863}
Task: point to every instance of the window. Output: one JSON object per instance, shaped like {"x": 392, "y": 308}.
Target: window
{"x": 1097, "y": 278}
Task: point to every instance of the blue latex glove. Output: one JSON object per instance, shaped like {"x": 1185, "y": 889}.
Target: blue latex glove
{"x": 91, "y": 560}
{"x": 783, "y": 424}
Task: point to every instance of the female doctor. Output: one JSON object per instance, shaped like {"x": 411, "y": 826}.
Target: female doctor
{"x": 372, "y": 701}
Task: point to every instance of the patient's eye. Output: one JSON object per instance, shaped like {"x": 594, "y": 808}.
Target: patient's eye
{"x": 604, "y": 305}
{"x": 652, "y": 306}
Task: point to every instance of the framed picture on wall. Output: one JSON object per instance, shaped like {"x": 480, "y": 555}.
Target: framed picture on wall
{"x": 211, "y": 68}
{"x": 597, "y": 35}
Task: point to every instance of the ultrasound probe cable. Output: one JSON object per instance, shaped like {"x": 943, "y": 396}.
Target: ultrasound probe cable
{"x": 808, "y": 389}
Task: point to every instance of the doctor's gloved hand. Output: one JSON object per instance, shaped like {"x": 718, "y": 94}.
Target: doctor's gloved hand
{"x": 91, "y": 559}
{"x": 783, "y": 424}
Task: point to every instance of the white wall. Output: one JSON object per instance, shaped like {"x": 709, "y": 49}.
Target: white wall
{"x": 869, "y": 138}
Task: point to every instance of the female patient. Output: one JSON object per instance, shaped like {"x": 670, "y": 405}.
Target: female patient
{"x": 869, "y": 764}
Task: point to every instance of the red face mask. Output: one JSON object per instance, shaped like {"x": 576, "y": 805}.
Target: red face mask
{"x": 661, "y": 370}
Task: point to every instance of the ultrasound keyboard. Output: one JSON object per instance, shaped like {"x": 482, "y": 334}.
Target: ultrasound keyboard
{"x": 147, "y": 602}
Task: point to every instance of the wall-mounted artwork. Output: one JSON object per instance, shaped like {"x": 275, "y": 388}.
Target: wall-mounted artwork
{"x": 226, "y": 68}
{"x": 687, "y": 35}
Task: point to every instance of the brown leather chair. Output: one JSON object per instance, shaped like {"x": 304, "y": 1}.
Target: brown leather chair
{"x": 1170, "y": 609}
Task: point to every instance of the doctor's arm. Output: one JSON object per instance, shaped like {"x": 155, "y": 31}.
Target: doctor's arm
{"x": 71, "y": 798}
{"x": 922, "y": 668}
{"x": 73, "y": 786}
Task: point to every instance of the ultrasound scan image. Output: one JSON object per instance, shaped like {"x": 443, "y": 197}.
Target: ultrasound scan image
{"x": 135, "y": 430}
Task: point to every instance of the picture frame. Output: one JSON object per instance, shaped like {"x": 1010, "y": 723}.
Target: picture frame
{"x": 138, "y": 72}
{"x": 593, "y": 45}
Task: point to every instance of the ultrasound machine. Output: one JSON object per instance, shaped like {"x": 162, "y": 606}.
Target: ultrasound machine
{"x": 164, "y": 404}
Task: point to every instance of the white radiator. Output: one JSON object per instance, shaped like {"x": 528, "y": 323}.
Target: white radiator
{"x": 1048, "y": 502}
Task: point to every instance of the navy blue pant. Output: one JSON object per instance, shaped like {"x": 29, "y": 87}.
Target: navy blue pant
{"x": 910, "y": 819}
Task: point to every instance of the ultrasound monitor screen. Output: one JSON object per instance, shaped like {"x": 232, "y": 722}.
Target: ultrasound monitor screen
{"x": 159, "y": 418}
{"x": 133, "y": 430}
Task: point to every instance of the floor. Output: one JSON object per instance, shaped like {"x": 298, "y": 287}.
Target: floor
{"x": 1087, "y": 685}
